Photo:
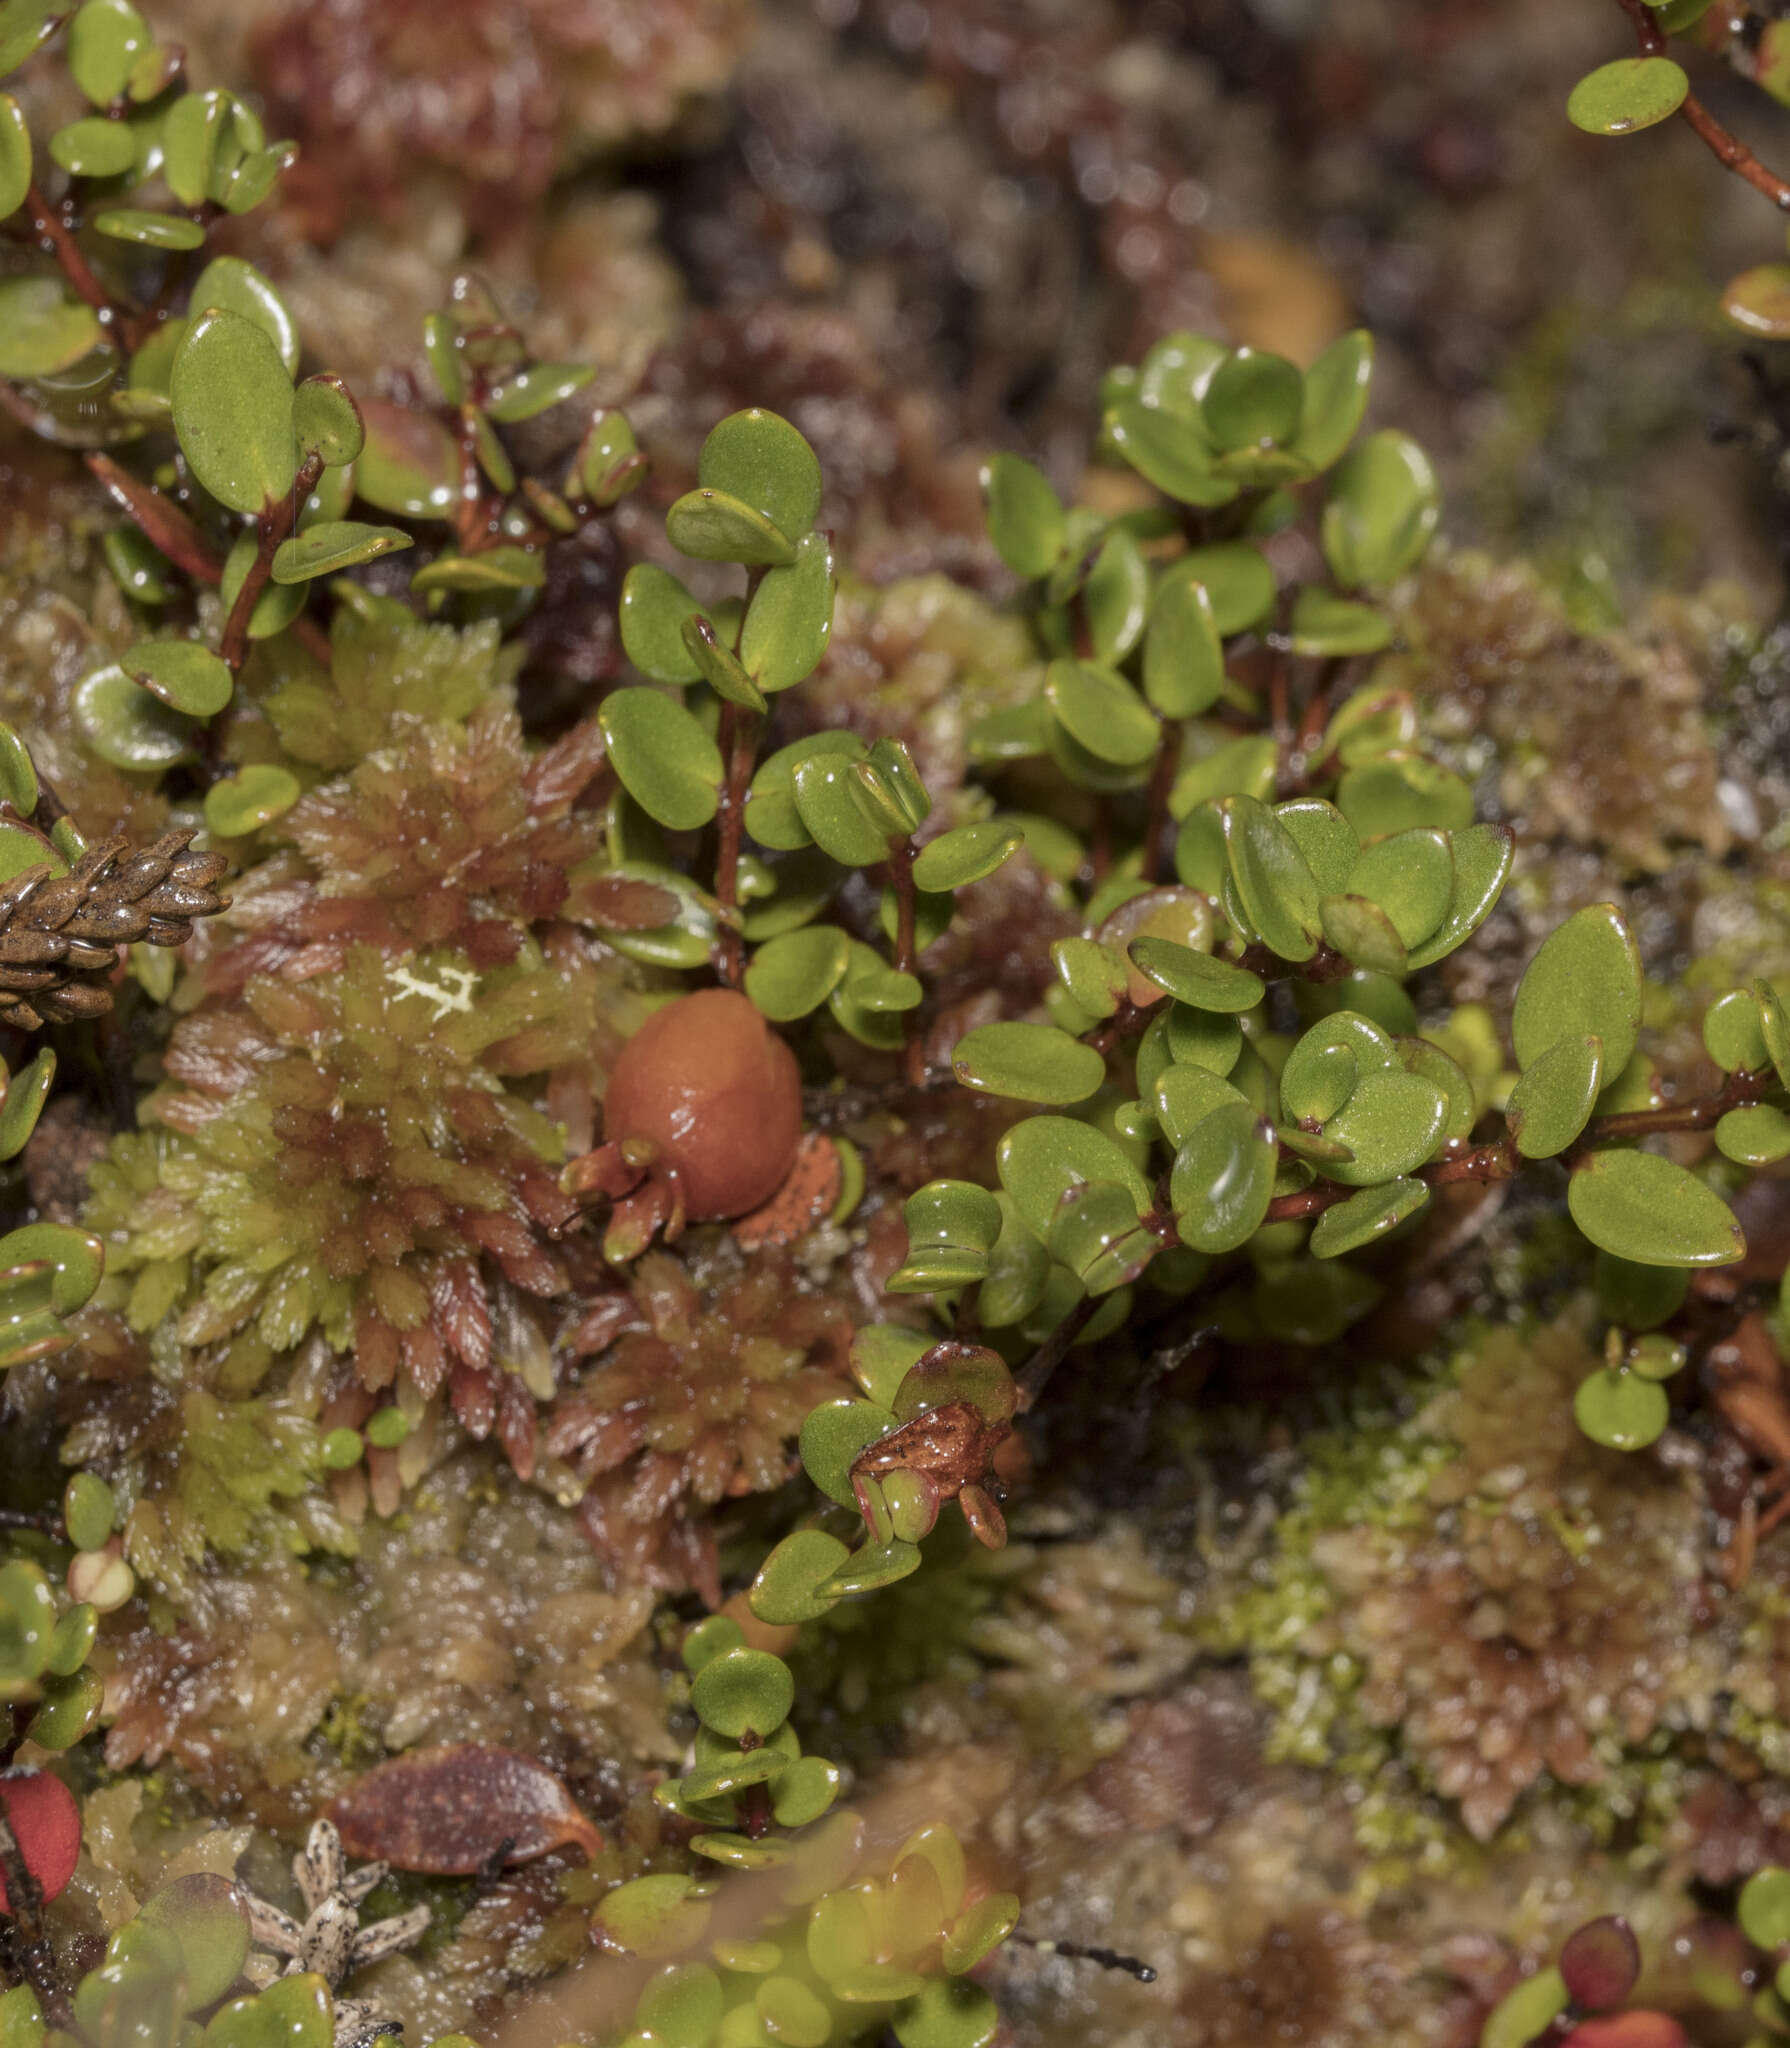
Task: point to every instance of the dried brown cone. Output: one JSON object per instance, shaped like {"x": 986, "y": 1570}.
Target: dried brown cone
{"x": 60, "y": 934}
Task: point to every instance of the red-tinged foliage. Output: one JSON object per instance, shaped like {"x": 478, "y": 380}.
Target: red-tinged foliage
{"x": 452, "y": 1810}
{"x": 1601, "y": 1962}
{"x": 46, "y": 1824}
{"x": 1640, "y": 2029}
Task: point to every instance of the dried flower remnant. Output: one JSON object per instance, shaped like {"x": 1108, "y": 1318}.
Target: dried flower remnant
{"x": 330, "y": 1939}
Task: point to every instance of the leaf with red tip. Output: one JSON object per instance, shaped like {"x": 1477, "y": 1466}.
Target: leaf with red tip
{"x": 46, "y": 1824}
{"x": 1601, "y": 1963}
{"x": 1627, "y": 2030}
{"x": 448, "y": 1811}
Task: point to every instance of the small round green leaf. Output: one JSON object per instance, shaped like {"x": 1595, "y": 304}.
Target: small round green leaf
{"x": 1102, "y": 712}
{"x": 760, "y": 460}
{"x": 1366, "y": 1216}
{"x": 713, "y": 526}
{"x": 1553, "y": 1099}
{"x": 654, "y": 606}
{"x": 1116, "y": 597}
{"x": 232, "y": 400}
{"x": 192, "y": 129}
{"x": 1755, "y": 1136}
{"x": 1025, "y": 516}
{"x": 1362, "y": 932}
{"x": 966, "y": 854}
{"x": 1732, "y": 1031}
{"x": 1196, "y": 978}
{"x": 1763, "y": 1909}
{"x": 150, "y": 230}
{"x": 1170, "y": 451}
{"x": 1758, "y": 300}
{"x": 1620, "y": 1410}
{"x": 1631, "y": 93}
{"x": 536, "y": 389}
{"x": 25, "y": 1095}
{"x": 1335, "y": 398}
{"x": 1029, "y": 1063}
{"x": 1482, "y": 856}
{"x": 1642, "y": 1207}
{"x": 69, "y": 1708}
{"x": 1183, "y": 653}
{"x": 1392, "y": 1122}
{"x": 410, "y": 465}
{"x": 73, "y": 1637}
{"x": 1383, "y": 509}
{"x": 743, "y": 1691}
{"x": 680, "y": 2008}
{"x": 1223, "y": 1177}
{"x": 1410, "y": 875}
{"x": 831, "y": 809}
{"x": 1237, "y": 581}
{"x": 1585, "y": 981}
{"x": 76, "y": 1260}
{"x": 874, "y": 1566}
{"x": 666, "y": 761}
{"x": 1253, "y": 398}
{"x": 1525, "y": 2011}
{"x": 795, "y": 972}
{"x": 208, "y": 1916}
{"x": 1041, "y": 1159}
{"x": 654, "y": 1916}
{"x": 1325, "y": 624}
{"x": 786, "y": 1590}
{"x": 1274, "y": 883}
{"x": 126, "y": 726}
{"x": 326, "y": 420}
{"x": 44, "y": 328}
{"x": 333, "y": 545}
{"x": 790, "y": 618}
{"x": 238, "y": 287}
{"x": 105, "y": 39}
{"x": 252, "y": 797}
{"x": 717, "y": 663}
{"x": 94, "y": 147}
{"x": 182, "y": 674}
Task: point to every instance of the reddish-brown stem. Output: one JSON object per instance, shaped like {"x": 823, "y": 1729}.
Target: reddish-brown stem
{"x": 1729, "y": 151}
{"x": 1156, "y": 814}
{"x": 272, "y": 529}
{"x": 1739, "y": 1091}
{"x": 739, "y": 749}
{"x": 53, "y": 234}
{"x": 1034, "y": 1375}
{"x": 162, "y": 521}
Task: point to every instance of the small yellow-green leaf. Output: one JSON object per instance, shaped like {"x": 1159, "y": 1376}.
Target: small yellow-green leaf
{"x": 1382, "y": 511}
{"x": 1362, "y": 931}
{"x": 126, "y": 726}
{"x": 717, "y": 663}
{"x": 1237, "y": 580}
{"x": 966, "y": 854}
{"x": 277, "y": 606}
{"x": 950, "y": 2013}
{"x": 1763, "y": 1908}
{"x": 790, "y": 618}
{"x": 1585, "y": 981}
{"x": 1196, "y": 978}
{"x": 15, "y": 155}
{"x": 1223, "y": 1177}
{"x": 1645, "y": 1208}
{"x": 491, "y": 569}
{"x": 1553, "y": 1099}
{"x": 1524, "y": 2012}
{"x": 1755, "y": 1136}
{"x": 1116, "y": 597}
{"x": 43, "y": 327}
{"x": 1275, "y": 884}
{"x": 410, "y": 465}
{"x": 1335, "y": 398}
{"x": 232, "y": 400}
{"x": 1040, "y": 1159}
{"x": 26, "y": 1093}
{"x": 105, "y": 39}
{"x": 1366, "y": 1216}
{"x": 333, "y": 545}
{"x": 833, "y": 1434}
{"x": 76, "y": 1260}
{"x": 786, "y": 1589}
{"x": 654, "y": 606}
{"x": 795, "y": 972}
{"x": 1402, "y": 792}
{"x": 1102, "y": 712}
{"x": 326, "y": 420}
{"x": 1392, "y": 1122}
{"x": 536, "y": 389}
{"x": 1620, "y": 1410}
{"x": 1029, "y": 1063}
{"x": 872, "y": 1567}
{"x": 1025, "y": 516}
{"x": 23, "y": 25}
{"x": 1253, "y": 398}
{"x": 654, "y": 1916}
{"x": 713, "y": 526}
{"x": 1631, "y": 93}
{"x": 1758, "y": 300}
{"x": 828, "y": 802}
{"x": 69, "y": 1709}
{"x": 1325, "y": 624}
{"x": 192, "y": 129}
{"x": 741, "y": 1691}
{"x": 758, "y": 459}
{"x": 1410, "y": 875}
{"x": 666, "y": 761}
{"x": 1482, "y": 855}
{"x": 1170, "y": 451}
{"x": 150, "y": 230}
{"x": 94, "y": 147}
{"x": 183, "y": 674}
{"x": 1240, "y": 767}
{"x": 1732, "y": 1032}
{"x": 238, "y": 287}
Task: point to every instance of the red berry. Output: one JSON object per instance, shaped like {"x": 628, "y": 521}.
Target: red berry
{"x": 718, "y": 1092}
{"x": 46, "y": 1824}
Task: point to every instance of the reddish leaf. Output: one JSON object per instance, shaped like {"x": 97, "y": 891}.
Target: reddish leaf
{"x": 621, "y": 903}
{"x": 449, "y": 1811}
{"x": 1601, "y": 1962}
{"x": 46, "y": 1824}
{"x": 1627, "y": 2030}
